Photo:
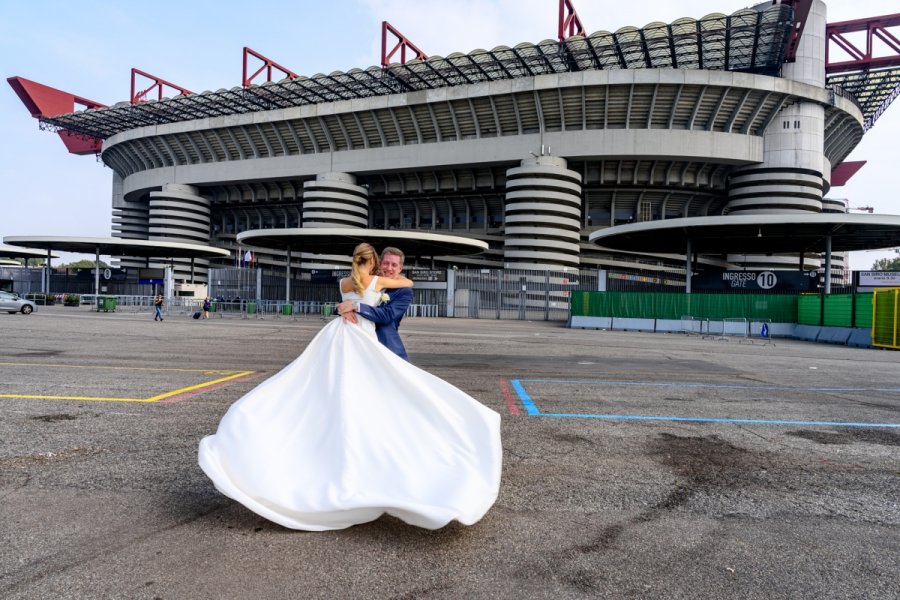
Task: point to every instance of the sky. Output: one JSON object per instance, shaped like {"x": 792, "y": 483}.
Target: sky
{"x": 89, "y": 48}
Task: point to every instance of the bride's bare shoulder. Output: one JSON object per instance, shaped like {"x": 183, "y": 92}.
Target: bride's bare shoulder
{"x": 346, "y": 283}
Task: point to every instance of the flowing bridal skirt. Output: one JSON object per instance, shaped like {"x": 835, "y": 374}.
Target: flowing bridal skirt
{"x": 349, "y": 431}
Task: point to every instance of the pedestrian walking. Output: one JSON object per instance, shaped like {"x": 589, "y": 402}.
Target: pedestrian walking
{"x": 158, "y": 304}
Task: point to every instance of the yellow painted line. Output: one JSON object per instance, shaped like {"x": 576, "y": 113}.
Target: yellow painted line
{"x": 209, "y": 371}
{"x": 90, "y": 398}
{"x": 157, "y": 398}
{"x": 197, "y": 387}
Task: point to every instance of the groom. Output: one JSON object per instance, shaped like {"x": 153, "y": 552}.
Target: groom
{"x": 387, "y": 316}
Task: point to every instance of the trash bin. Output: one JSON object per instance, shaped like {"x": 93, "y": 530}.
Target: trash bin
{"x": 212, "y": 307}
{"x": 251, "y": 308}
{"x": 106, "y": 303}
{"x": 326, "y": 310}
{"x": 287, "y": 309}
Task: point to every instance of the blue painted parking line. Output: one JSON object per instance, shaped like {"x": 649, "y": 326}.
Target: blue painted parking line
{"x": 716, "y": 385}
{"x": 532, "y": 409}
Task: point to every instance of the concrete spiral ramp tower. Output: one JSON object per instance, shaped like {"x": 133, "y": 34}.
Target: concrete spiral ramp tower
{"x": 333, "y": 200}
{"x": 179, "y": 214}
{"x": 542, "y": 215}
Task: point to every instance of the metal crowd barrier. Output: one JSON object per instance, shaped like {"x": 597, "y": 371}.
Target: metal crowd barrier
{"x": 245, "y": 309}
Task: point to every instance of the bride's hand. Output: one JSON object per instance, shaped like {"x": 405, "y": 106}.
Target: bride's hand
{"x": 393, "y": 283}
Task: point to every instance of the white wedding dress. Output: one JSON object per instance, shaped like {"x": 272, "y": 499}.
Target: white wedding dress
{"x": 349, "y": 431}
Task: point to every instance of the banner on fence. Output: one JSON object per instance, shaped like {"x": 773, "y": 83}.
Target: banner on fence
{"x": 879, "y": 278}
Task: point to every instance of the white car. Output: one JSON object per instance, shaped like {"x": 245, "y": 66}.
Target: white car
{"x": 12, "y": 304}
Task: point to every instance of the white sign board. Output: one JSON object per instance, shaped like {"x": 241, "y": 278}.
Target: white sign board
{"x": 879, "y": 278}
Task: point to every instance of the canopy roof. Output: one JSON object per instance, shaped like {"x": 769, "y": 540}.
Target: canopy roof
{"x": 117, "y": 246}
{"x": 342, "y": 241}
{"x": 755, "y": 234}
{"x": 7, "y": 251}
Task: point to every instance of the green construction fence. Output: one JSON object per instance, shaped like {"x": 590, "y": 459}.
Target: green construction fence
{"x": 839, "y": 310}
{"x": 835, "y": 310}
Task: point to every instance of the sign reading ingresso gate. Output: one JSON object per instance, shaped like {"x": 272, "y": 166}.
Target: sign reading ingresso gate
{"x": 793, "y": 281}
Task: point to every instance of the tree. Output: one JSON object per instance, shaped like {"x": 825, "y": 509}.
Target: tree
{"x": 888, "y": 264}
{"x": 83, "y": 264}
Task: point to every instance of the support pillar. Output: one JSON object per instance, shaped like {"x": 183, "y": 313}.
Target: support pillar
{"x": 287, "y": 277}
{"x": 687, "y": 268}
{"x": 97, "y": 273}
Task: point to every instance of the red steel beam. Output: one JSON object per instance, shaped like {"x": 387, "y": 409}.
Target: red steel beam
{"x": 842, "y": 173}
{"x": 862, "y": 59}
{"x": 402, "y": 44}
{"x": 569, "y": 23}
{"x": 158, "y": 84}
{"x": 267, "y": 66}
{"x": 44, "y": 101}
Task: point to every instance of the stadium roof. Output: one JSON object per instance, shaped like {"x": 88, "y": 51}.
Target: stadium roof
{"x": 748, "y": 40}
{"x": 872, "y": 90}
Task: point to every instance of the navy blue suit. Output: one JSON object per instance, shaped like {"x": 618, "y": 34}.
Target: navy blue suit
{"x": 387, "y": 319}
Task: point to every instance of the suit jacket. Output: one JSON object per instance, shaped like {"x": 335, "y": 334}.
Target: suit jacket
{"x": 387, "y": 319}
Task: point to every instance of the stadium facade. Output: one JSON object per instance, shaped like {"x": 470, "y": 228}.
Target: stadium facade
{"x": 529, "y": 148}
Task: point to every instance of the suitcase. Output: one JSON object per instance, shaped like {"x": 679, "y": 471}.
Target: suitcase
{"x": 197, "y": 314}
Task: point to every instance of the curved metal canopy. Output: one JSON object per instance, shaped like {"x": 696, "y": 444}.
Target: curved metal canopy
{"x": 117, "y": 246}
{"x": 755, "y": 234}
{"x": 342, "y": 241}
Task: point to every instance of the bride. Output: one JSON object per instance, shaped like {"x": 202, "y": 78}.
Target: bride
{"x": 349, "y": 431}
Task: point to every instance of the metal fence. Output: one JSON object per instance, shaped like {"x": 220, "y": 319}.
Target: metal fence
{"x": 21, "y": 280}
{"x": 253, "y": 293}
{"x": 518, "y": 294}
{"x": 476, "y": 293}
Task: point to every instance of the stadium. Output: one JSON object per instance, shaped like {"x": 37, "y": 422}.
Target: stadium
{"x": 530, "y": 148}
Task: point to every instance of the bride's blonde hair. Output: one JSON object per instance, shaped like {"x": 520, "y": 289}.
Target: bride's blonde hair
{"x": 361, "y": 255}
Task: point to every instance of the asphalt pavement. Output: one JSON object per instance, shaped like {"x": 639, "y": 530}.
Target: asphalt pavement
{"x": 636, "y": 465}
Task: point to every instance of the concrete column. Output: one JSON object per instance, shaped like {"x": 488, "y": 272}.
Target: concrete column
{"x": 542, "y": 215}
{"x": 794, "y": 173}
{"x": 840, "y": 261}
{"x": 179, "y": 214}
{"x": 333, "y": 200}
{"x": 688, "y": 260}
{"x": 130, "y": 220}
